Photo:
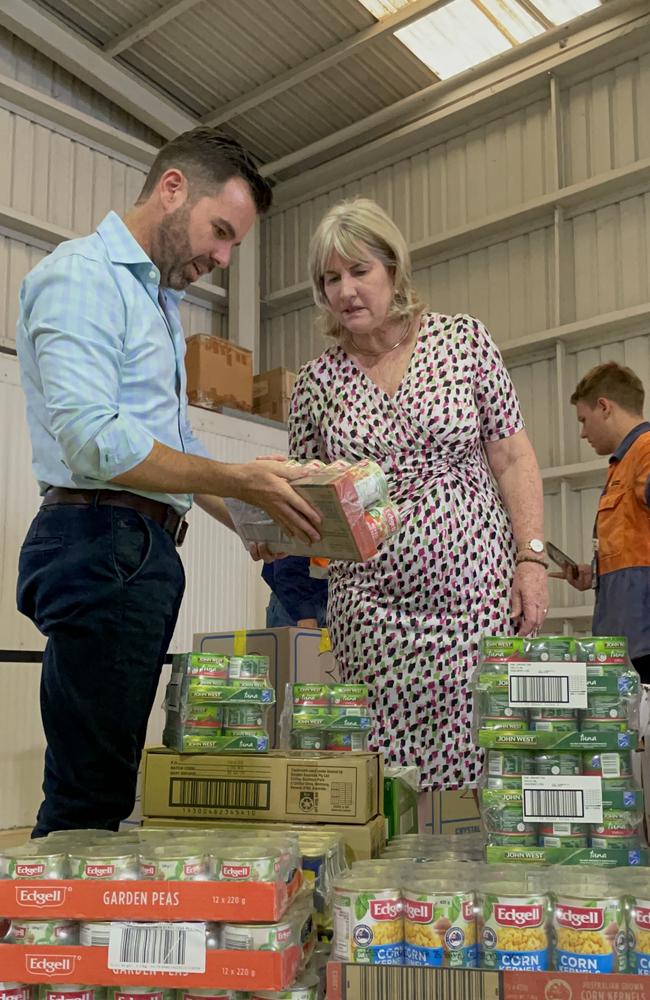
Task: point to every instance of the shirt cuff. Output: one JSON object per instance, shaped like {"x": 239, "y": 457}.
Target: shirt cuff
{"x": 116, "y": 449}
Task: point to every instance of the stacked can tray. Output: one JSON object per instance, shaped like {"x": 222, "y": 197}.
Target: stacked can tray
{"x": 326, "y": 717}
{"x": 543, "y": 739}
{"x": 218, "y": 704}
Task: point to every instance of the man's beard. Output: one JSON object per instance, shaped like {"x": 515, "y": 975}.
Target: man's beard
{"x": 172, "y": 251}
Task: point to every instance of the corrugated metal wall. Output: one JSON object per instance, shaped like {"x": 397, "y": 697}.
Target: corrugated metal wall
{"x": 224, "y": 587}
{"x": 496, "y": 233}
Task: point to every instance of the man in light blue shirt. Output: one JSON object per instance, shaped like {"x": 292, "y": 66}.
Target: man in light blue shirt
{"x": 101, "y": 351}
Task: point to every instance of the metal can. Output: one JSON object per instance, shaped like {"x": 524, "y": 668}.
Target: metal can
{"x": 40, "y": 932}
{"x": 383, "y": 521}
{"x": 99, "y": 864}
{"x": 15, "y": 991}
{"x": 95, "y": 933}
{"x": 306, "y": 988}
{"x": 639, "y": 936}
{"x": 178, "y": 863}
{"x": 140, "y": 993}
{"x": 244, "y": 717}
{"x": 201, "y": 665}
{"x": 510, "y": 762}
{"x": 513, "y": 928}
{"x": 562, "y": 762}
{"x": 550, "y": 649}
{"x": 439, "y": 927}
{"x": 611, "y": 766}
{"x": 502, "y": 839}
{"x": 370, "y": 482}
{"x": 246, "y": 865}
{"x": 349, "y": 695}
{"x": 70, "y": 991}
{"x": 259, "y": 937}
{"x": 309, "y": 739}
{"x": 196, "y": 993}
{"x": 606, "y": 706}
{"x": 197, "y": 716}
{"x": 345, "y": 741}
{"x": 620, "y": 828}
{"x": 368, "y": 922}
{"x": 553, "y": 720}
{"x": 311, "y": 695}
{"x": 251, "y": 667}
{"x": 589, "y": 934}
{"x": 31, "y": 861}
{"x": 563, "y": 835}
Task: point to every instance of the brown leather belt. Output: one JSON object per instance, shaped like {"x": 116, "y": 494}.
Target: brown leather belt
{"x": 173, "y": 523}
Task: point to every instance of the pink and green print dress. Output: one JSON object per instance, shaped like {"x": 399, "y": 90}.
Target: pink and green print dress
{"x": 408, "y": 621}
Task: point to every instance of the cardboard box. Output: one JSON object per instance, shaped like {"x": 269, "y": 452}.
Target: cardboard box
{"x": 449, "y": 812}
{"x": 361, "y": 842}
{"x": 377, "y": 982}
{"x": 250, "y": 970}
{"x": 288, "y": 786}
{"x": 218, "y": 373}
{"x": 295, "y": 654}
{"x": 272, "y": 393}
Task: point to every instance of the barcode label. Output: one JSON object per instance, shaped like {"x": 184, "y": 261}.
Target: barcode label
{"x": 552, "y": 685}
{"x": 535, "y": 690}
{"x": 220, "y": 793}
{"x": 382, "y": 982}
{"x": 157, "y": 947}
{"x": 565, "y": 803}
{"x": 558, "y": 798}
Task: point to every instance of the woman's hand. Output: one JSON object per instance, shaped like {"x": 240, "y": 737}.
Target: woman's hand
{"x": 530, "y": 596}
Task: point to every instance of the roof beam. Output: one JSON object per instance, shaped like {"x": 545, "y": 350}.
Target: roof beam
{"x": 317, "y": 64}
{"x": 46, "y": 34}
{"x": 529, "y": 61}
{"x": 150, "y": 24}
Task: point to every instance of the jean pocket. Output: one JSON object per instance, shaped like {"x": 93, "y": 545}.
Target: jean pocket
{"x": 131, "y": 543}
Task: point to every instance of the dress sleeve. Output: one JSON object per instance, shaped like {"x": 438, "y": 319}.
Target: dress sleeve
{"x": 305, "y": 441}
{"x": 497, "y": 402}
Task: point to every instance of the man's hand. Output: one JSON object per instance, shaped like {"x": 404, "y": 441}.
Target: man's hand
{"x": 580, "y": 579}
{"x": 259, "y": 551}
{"x": 307, "y": 623}
{"x": 265, "y": 484}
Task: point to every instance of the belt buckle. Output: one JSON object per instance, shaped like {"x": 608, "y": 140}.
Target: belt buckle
{"x": 180, "y": 532}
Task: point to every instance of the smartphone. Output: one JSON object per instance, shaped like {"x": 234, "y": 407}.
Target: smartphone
{"x": 562, "y": 559}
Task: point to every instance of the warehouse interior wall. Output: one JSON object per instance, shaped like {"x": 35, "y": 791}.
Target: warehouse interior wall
{"x": 536, "y": 218}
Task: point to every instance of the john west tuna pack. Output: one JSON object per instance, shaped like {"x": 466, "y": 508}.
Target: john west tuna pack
{"x": 558, "y": 717}
{"x": 356, "y": 513}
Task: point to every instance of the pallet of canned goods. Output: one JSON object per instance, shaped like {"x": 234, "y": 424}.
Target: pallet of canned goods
{"x": 218, "y": 704}
{"x": 326, "y": 717}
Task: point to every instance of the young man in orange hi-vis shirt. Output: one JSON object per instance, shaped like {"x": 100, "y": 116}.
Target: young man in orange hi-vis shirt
{"x": 609, "y": 407}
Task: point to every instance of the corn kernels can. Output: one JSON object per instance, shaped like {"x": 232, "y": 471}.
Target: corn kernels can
{"x": 589, "y": 935}
{"x": 368, "y": 922}
{"x": 639, "y": 937}
{"x": 439, "y": 927}
{"x": 513, "y": 929}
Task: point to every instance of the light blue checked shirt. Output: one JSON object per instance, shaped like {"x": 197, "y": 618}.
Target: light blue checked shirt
{"x": 102, "y": 364}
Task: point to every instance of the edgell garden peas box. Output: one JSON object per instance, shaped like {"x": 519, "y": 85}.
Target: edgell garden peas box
{"x": 283, "y": 785}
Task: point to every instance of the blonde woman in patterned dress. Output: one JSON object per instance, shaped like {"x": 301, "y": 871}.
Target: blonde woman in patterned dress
{"x": 427, "y": 396}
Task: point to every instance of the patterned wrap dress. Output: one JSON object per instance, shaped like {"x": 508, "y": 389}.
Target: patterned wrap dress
{"x": 408, "y": 621}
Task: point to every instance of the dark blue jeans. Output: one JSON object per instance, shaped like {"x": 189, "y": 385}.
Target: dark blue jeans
{"x": 104, "y": 584}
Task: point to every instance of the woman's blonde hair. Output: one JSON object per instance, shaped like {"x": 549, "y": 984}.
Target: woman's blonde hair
{"x": 352, "y": 229}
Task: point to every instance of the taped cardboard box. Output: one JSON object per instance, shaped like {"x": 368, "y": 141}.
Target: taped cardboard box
{"x": 218, "y": 373}
{"x": 295, "y": 654}
{"x": 283, "y": 785}
{"x": 449, "y": 812}
{"x": 361, "y": 842}
{"x": 272, "y": 393}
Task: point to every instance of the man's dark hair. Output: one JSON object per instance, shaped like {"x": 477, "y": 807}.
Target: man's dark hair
{"x": 208, "y": 158}
{"x": 611, "y": 381}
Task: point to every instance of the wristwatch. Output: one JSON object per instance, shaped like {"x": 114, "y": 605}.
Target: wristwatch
{"x": 535, "y": 545}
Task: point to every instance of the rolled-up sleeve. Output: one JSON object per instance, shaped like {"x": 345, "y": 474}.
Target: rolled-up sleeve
{"x": 75, "y": 319}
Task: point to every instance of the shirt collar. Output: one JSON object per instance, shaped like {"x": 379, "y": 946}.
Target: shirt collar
{"x": 629, "y": 440}
{"x": 123, "y": 248}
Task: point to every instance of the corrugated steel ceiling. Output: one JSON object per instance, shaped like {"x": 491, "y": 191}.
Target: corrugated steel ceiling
{"x": 204, "y": 54}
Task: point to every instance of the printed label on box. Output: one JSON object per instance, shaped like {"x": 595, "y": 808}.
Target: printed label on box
{"x": 157, "y": 947}
{"x": 552, "y": 685}
{"x": 562, "y": 798}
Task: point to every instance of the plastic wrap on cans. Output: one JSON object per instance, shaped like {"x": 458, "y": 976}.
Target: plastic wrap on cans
{"x": 15, "y": 991}
{"x": 246, "y": 864}
{"x": 102, "y": 864}
{"x": 305, "y": 988}
{"x": 383, "y": 521}
{"x": 589, "y": 928}
{"x": 43, "y": 932}
{"x": 139, "y": 993}
{"x": 35, "y": 861}
{"x": 69, "y": 991}
{"x": 514, "y": 930}
{"x": 439, "y": 926}
{"x": 95, "y": 933}
{"x": 179, "y": 863}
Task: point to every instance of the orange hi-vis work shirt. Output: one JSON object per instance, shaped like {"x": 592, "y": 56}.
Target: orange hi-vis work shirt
{"x": 622, "y": 534}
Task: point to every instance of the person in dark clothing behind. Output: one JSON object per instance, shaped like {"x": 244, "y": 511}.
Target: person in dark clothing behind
{"x": 297, "y": 598}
